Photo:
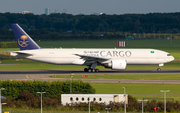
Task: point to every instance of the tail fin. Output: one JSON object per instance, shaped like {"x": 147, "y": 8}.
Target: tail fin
{"x": 24, "y": 40}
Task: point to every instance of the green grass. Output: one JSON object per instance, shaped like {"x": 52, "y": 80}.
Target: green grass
{"x": 124, "y": 76}
{"x": 33, "y": 65}
{"x": 145, "y": 43}
{"x": 8, "y": 49}
{"x": 139, "y": 91}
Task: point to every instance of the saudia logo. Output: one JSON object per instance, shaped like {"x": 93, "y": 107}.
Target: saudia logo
{"x": 22, "y": 41}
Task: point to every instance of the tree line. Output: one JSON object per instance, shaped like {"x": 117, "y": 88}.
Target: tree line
{"x": 58, "y": 25}
{"x": 14, "y": 88}
{"x": 23, "y": 94}
{"x": 26, "y": 100}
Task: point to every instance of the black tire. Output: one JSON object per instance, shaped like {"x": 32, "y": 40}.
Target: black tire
{"x": 96, "y": 70}
{"x": 85, "y": 70}
{"x": 89, "y": 70}
{"x": 158, "y": 69}
{"x": 92, "y": 70}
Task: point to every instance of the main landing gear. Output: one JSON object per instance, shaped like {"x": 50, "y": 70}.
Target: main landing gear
{"x": 90, "y": 70}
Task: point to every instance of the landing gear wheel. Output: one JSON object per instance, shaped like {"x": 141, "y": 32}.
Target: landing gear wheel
{"x": 158, "y": 69}
{"x": 89, "y": 70}
{"x": 92, "y": 70}
{"x": 85, "y": 70}
{"x": 96, "y": 70}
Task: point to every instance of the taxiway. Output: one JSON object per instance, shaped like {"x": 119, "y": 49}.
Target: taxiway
{"x": 45, "y": 76}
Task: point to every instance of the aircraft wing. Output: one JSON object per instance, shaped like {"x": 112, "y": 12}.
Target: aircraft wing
{"x": 92, "y": 58}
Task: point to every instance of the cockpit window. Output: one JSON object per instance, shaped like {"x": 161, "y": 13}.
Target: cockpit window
{"x": 168, "y": 54}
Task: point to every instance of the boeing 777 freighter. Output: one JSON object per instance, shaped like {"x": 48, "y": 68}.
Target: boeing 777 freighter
{"x": 116, "y": 59}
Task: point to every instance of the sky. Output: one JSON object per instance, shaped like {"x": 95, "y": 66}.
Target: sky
{"x": 91, "y": 6}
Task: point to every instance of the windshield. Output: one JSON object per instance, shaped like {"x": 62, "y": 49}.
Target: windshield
{"x": 168, "y": 54}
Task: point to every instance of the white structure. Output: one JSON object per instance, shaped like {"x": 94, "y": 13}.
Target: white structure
{"x": 99, "y": 98}
{"x": 47, "y": 11}
{"x": 26, "y": 12}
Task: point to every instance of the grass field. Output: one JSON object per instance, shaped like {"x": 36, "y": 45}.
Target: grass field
{"x": 139, "y": 91}
{"x": 124, "y": 76}
{"x": 33, "y": 65}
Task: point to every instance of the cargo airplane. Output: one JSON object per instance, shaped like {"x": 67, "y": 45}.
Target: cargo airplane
{"x": 116, "y": 59}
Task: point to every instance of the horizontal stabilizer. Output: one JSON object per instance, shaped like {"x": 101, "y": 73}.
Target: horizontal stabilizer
{"x": 21, "y": 53}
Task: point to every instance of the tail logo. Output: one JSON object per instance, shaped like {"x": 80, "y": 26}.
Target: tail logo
{"x": 22, "y": 41}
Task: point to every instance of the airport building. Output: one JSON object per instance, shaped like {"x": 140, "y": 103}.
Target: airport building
{"x": 99, "y": 98}
{"x": 47, "y": 11}
{"x": 26, "y": 12}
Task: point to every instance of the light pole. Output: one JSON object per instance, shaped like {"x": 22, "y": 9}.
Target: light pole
{"x": 2, "y": 104}
{"x": 142, "y": 103}
{"x": 0, "y": 100}
{"x": 71, "y": 85}
{"x": 41, "y": 99}
{"x": 164, "y": 98}
{"x": 107, "y": 109}
{"x": 124, "y": 99}
{"x": 89, "y": 104}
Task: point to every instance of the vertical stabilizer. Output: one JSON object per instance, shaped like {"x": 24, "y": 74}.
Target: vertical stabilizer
{"x": 23, "y": 39}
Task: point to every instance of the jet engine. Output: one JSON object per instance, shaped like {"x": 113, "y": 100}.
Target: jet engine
{"x": 117, "y": 64}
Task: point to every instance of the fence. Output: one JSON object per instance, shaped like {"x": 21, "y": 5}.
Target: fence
{"x": 67, "y": 112}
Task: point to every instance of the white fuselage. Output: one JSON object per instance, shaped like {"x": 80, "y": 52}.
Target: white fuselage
{"x": 67, "y": 56}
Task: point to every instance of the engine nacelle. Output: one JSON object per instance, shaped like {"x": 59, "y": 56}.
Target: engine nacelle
{"x": 118, "y": 64}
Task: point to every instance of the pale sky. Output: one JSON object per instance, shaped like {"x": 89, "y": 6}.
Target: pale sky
{"x": 90, "y": 6}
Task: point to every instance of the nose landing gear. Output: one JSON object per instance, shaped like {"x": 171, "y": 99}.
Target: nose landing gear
{"x": 159, "y": 69}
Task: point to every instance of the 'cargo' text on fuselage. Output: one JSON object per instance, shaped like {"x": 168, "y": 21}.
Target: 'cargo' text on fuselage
{"x": 108, "y": 53}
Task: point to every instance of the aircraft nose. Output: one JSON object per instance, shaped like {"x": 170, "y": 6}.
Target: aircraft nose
{"x": 172, "y": 58}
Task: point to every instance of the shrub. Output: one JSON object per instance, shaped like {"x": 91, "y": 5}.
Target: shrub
{"x": 34, "y": 103}
{"x": 14, "y": 88}
{"x": 25, "y": 96}
{"x": 50, "y": 102}
{"x": 57, "y": 97}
